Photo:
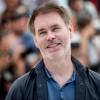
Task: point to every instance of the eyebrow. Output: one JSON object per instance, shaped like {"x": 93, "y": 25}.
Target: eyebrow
{"x": 40, "y": 30}
{"x": 55, "y": 25}
{"x": 52, "y": 26}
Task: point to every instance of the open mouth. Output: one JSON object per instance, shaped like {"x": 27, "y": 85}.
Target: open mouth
{"x": 54, "y": 45}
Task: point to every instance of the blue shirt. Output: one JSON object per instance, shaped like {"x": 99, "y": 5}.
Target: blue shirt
{"x": 55, "y": 92}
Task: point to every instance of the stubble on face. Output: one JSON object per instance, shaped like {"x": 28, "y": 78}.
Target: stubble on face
{"x": 60, "y": 45}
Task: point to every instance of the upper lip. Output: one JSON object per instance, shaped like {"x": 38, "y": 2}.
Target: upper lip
{"x": 52, "y": 45}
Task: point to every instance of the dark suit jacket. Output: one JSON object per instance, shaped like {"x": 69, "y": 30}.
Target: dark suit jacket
{"x": 33, "y": 85}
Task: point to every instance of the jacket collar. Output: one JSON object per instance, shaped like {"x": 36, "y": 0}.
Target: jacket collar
{"x": 41, "y": 80}
{"x": 81, "y": 80}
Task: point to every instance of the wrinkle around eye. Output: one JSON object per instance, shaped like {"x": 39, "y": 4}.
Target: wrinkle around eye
{"x": 42, "y": 33}
{"x": 55, "y": 29}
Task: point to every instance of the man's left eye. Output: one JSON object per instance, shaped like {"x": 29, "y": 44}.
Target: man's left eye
{"x": 55, "y": 29}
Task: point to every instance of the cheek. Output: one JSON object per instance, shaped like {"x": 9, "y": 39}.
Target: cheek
{"x": 67, "y": 38}
{"x": 38, "y": 42}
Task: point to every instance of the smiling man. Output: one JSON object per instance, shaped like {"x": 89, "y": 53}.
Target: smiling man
{"x": 58, "y": 76}
{"x": 52, "y": 35}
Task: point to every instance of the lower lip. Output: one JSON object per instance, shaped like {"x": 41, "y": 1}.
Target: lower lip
{"x": 54, "y": 49}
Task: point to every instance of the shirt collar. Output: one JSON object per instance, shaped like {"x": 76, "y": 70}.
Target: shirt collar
{"x": 69, "y": 81}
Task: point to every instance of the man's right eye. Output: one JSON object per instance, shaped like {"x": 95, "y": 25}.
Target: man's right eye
{"x": 42, "y": 33}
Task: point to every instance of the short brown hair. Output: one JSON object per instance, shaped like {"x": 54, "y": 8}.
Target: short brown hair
{"x": 46, "y": 8}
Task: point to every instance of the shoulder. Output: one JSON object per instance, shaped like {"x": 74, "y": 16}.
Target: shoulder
{"x": 23, "y": 86}
{"x": 94, "y": 76}
{"x": 94, "y": 80}
{"x": 19, "y": 87}
{"x": 87, "y": 74}
{"x": 20, "y": 81}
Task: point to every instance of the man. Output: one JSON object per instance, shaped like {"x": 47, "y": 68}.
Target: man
{"x": 58, "y": 76}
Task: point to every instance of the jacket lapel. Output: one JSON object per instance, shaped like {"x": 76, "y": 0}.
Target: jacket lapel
{"x": 81, "y": 80}
{"x": 41, "y": 83}
{"x": 80, "y": 88}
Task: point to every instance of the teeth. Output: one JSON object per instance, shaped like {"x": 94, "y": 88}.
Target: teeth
{"x": 52, "y": 45}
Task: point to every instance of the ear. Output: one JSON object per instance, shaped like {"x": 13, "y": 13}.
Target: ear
{"x": 71, "y": 28}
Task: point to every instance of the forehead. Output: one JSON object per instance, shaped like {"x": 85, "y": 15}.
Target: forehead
{"x": 43, "y": 20}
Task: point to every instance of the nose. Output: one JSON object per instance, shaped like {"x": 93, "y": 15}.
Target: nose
{"x": 50, "y": 36}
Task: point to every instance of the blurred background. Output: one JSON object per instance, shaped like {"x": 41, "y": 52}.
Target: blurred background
{"x": 18, "y": 53}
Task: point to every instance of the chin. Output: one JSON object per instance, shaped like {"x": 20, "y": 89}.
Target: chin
{"x": 55, "y": 55}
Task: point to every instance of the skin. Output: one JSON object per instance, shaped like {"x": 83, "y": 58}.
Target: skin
{"x": 52, "y": 37}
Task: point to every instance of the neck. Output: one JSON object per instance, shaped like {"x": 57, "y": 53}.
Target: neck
{"x": 60, "y": 70}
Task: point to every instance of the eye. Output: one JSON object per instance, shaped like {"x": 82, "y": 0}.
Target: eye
{"x": 55, "y": 29}
{"x": 42, "y": 33}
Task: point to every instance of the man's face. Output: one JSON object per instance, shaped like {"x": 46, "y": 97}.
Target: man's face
{"x": 52, "y": 35}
